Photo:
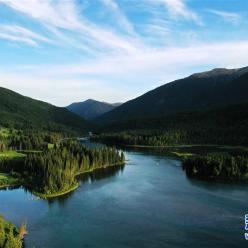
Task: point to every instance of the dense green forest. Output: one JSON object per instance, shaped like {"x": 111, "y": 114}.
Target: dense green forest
{"x": 10, "y": 236}
{"x": 221, "y": 166}
{"x": 198, "y": 92}
{"x": 12, "y": 139}
{"x": 227, "y": 126}
{"x": 54, "y": 170}
{"x": 25, "y": 113}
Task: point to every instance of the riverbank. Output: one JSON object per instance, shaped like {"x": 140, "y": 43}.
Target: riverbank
{"x": 60, "y": 193}
{"x": 150, "y": 183}
{"x": 57, "y": 194}
{"x": 73, "y": 188}
{"x": 8, "y": 181}
{"x": 207, "y": 162}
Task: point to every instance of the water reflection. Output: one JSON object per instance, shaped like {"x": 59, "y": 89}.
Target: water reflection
{"x": 142, "y": 206}
{"x": 90, "y": 177}
{"x": 10, "y": 188}
{"x": 101, "y": 174}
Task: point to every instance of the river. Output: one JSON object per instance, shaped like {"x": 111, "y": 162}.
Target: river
{"x": 148, "y": 203}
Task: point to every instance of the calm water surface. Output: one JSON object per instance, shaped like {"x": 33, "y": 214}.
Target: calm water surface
{"x": 148, "y": 203}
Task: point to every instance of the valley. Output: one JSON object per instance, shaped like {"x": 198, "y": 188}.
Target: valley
{"x": 195, "y": 129}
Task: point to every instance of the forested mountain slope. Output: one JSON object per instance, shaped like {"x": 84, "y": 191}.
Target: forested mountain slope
{"x": 202, "y": 91}
{"x": 23, "y": 112}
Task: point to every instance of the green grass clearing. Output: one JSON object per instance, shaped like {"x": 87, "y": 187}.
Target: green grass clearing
{"x": 11, "y": 154}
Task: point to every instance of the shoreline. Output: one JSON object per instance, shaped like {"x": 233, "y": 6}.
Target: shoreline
{"x": 225, "y": 146}
{"x": 61, "y": 193}
{"x": 55, "y": 195}
{"x": 10, "y": 185}
{"x": 193, "y": 145}
{"x": 95, "y": 169}
{"x": 73, "y": 188}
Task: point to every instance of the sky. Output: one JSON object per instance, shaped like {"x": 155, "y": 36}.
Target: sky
{"x": 64, "y": 51}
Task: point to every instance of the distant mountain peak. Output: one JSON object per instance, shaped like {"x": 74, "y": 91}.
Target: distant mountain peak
{"x": 219, "y": 72}
{"x": 91, "y": 109}
{"x": 90, "y": 100}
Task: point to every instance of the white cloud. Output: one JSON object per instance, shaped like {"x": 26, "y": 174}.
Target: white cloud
{"x": 120, "y": 66}
{"x": 119, "y": 15}
{"x": 21, "y": 34}
{"x": 64, "y": 14}
{"x": 59, "y": 91}
{"x": 179, "y": 9}
{"x": 133, "y": 73}
{"x": 227, "y": 16}
{"x": 155, "y": 61}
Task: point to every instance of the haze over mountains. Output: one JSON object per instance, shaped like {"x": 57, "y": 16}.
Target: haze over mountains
{"x": 201, "y": 91}
{"x": 91, "y": 109}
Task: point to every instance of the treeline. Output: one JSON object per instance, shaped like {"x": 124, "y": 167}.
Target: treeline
{"x": 173, "y": 135}
{"x": 55, "y": 170}
{"x": 145, "y": 138}
{"x": 10, "y": 236}
{"x": 224, "y": 126}
{"x": 29, "y": 139}
{"x": 221, "y": 166}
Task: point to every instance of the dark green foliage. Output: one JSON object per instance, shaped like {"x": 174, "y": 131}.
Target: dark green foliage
{"x": 54, "y": 170}
{"x": 221, "y": 166}
{"x": 9, "y": 235}
{"x": 30, "y": 139}
{"x": 143, "y": 138}
{"x": 201, "y": 91}
{"x": 227, "y": 126}
{"x": 25, "y": 113}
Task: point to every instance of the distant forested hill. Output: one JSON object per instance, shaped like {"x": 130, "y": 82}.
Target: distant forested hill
{"x": 91, "y": 109}
{"x": 226, "y": 126}
{"x": 23, "y": 112}
{"x": 198, "y": 92}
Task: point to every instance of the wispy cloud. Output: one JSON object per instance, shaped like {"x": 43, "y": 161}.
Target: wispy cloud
{"x": 160, "y": 33}
{"x": 21, "y": 34}
{"x": 227, "y": 16}
{"x": 155, "y": 66}
{"x": 65, "y": 15}
{"x": 179, "y": 9}
{"x": 159, "y": 61}
{"x": 119, "y": 15}
{"x": 131, "y": 47}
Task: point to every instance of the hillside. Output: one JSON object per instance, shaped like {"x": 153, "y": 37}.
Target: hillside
{"x": 23, "y": 112}
{"x": 201, "y": 91}
{"x": 91, "y": 109}
{"x": 223, "y": 126}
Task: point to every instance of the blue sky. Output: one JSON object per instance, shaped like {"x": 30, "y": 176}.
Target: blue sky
{"x": 62, "y": 51}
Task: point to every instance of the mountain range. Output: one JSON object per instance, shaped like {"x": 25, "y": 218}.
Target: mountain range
{"x": 91, "y": 109}
{"x": 191, "y": 98}
{"x": 202, "y": 91}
